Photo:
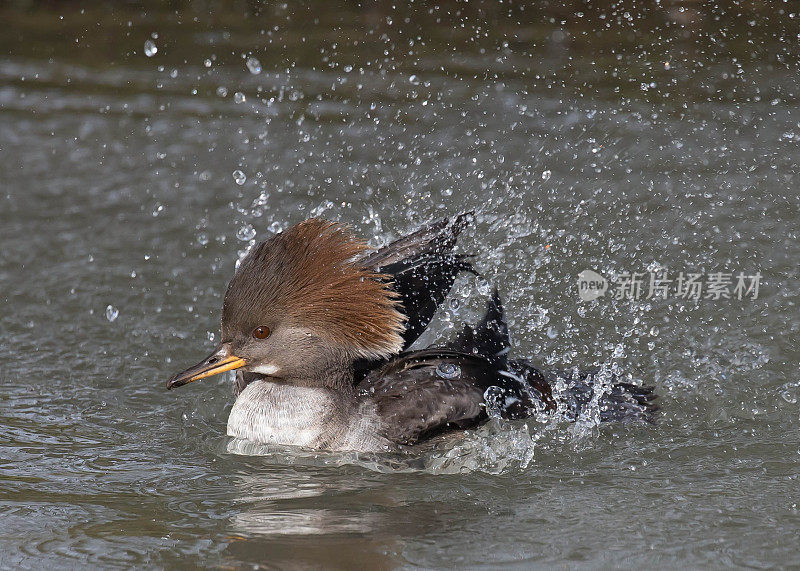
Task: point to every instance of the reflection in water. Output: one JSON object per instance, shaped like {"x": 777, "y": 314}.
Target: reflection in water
{"x": 278, "y": 519}
{"x": 338, "y": 552}
{"x": 265, "y": 520}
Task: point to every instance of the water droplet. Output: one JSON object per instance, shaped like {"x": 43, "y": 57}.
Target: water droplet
{"x": 222, "y": 91}
{"x": 495, "y": 399}
{"x": 413, "y": 80}
{"x": 254, "y": 65}
{"x": 112, "y": 313}
{"x": 207, "y": 63}
{"x": 239, "y": 177}
{"x": 654, "y": 331}
{"x": 150, "y": 48}
{"x": 202, "y": 238}
{"x": 448, "y": 371}
{"x": 546, "y": 175}
{"x": 246, "y": 233}
{"x": 211, "y": 336}
{"x": 239, "y": 97}
{"x": 655, "y": 267}
{"x": 321, "y": 208}
{"x": 483, "y": 285}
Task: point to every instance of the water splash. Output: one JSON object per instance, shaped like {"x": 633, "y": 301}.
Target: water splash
{"x": 150, "y": 48}
{"x": 254, "y": 65}
{"x": 246, "y": 232}
{"x": 112, "y": 313}
{"x": 495, "y": 448}
{"x": 448, "y": 371}
{"x": 239, "y": 177}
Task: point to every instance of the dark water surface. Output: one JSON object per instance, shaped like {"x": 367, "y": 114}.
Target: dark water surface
{"x": 605, "y": 139}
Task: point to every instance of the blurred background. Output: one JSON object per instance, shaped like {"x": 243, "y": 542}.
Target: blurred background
{"x": 145, "y": 146}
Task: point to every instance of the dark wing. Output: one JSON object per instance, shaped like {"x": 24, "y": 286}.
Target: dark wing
{"x": 489, "y": 338}
{"x": 619, "y": 401}
{"x": 423, "y": 270}
{"x": 423, "y": 393}
{"x": 437, "y": 237}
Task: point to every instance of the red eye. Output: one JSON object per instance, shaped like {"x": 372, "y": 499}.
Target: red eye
{"x": 261, "y": 332}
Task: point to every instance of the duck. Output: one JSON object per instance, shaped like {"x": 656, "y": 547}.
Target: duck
{"x": 319, "y": 330}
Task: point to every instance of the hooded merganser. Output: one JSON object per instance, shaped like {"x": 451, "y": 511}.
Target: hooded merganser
{"x": 318, "y": 332}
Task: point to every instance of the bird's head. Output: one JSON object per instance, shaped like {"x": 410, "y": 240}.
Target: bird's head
{"x": 301, "y": 305}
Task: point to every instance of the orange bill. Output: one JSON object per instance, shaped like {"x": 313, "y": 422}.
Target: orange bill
{"x": 214, "y": 364}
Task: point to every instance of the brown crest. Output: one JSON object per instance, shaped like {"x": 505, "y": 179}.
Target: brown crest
{"x": 307, "y": 276}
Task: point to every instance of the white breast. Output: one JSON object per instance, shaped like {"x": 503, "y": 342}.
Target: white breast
{"x": 278, "y": 413}
{"x": 274, "y": 413}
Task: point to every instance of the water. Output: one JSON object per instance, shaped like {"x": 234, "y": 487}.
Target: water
{"x": 614, "y": 142}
